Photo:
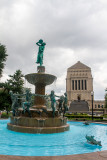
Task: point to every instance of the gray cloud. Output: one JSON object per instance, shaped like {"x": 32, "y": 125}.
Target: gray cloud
{"x": 73, "y": 30}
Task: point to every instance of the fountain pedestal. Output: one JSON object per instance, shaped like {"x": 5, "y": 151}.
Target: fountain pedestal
{"x": 39, "y": 101}
{"x": 39, "y": 89}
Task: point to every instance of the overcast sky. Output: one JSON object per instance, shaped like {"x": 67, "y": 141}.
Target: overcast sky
{"x": 74, "y": 30}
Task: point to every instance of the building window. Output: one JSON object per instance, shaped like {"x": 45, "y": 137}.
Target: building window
{"x": 78, "y": 84}
{"x": 82, "y": 85}
{"x": 95, "y": 106}
{"x": 98, "y": 105}
{"x": 75, "y": 84}
{"x": 85, "y": 85}
{"x": 72, "y": 84}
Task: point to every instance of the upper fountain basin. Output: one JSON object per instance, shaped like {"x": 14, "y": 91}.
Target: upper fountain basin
{"x": 40, "y": 78}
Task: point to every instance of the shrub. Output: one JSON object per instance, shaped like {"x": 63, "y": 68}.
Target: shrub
{"x": 5, "y": 101}
{"x": 105, "y": 116}
{"x": 82, "y": 117}
{"x": 5, "y": 115}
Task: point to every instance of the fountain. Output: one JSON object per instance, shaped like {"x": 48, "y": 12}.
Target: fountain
{"x": 37, "y": 118}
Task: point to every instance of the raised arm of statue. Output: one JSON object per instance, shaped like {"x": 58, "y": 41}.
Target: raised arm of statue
{"x": 13, "y": 95}
{"x": 57, "y": 96}
{"x": 38, "y": 44}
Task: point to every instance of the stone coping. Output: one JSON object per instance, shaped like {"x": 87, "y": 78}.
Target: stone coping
{"x": 102, "y": 155}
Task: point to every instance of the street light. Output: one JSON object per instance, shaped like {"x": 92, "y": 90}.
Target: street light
{"x": 92, "y": 93}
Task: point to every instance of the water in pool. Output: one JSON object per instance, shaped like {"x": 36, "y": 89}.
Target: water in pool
{"x": 66, "y": 143}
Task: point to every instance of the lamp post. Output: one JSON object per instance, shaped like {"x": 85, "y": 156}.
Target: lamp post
{"x": 92, "y": 93}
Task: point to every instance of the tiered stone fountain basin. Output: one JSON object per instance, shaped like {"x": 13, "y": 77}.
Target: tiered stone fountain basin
{"x": 41, "y": 120}
{"x": 38, "y": 125}
{"x": 40, "y": 78}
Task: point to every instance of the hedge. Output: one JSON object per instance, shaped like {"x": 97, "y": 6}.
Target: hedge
{"x": 5, "y": 115}
{"x": 82, "y": 116}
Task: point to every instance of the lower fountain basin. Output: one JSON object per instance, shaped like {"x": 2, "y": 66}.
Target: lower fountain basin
{"x": 38, "y": 125}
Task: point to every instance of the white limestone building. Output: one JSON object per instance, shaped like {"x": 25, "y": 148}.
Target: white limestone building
{"x": 79, "y": 87}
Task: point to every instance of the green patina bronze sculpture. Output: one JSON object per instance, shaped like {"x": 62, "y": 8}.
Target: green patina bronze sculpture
{"x": 65, "y": 102}
{"x": 60, "y": 106}
{"x": 86, "y": 123}
{"x": 41, "y": 45}
{"x": 28, "y": 101}
{"x": 27, "y": 104}
{"x": 91, "y": 140}
{"x": 15, "y": 105}
{"x": 53, "y": 102}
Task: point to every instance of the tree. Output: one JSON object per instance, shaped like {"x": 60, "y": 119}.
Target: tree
{"x": 5, "y": 87}
{"x": 16, "y": 82}
{"x": 106, "y": 99}
{"x": 5, "y": 101}
{"x": 3, "y": 57}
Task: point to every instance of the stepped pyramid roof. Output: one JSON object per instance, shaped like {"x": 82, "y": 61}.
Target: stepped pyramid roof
{"x": 79, "y": 65}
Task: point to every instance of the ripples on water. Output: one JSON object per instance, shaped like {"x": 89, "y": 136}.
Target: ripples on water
{"x": 66, "y": 143}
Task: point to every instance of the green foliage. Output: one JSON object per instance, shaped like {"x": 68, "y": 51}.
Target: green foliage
{"x": 3, "y": 57}
{"x": 15, "y": 83}
{"x": 78, "y": 114}
{"x": 5, "y": 86}
{"x": 105, "y": 116}
{"x": 106, "y": 100}
{"x": 5, "y": 115}
{"x": 82, "y": 117}
{"x": 5, "y": 101}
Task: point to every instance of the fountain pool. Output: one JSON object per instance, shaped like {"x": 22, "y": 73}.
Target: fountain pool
{"x": 64, "y": 143}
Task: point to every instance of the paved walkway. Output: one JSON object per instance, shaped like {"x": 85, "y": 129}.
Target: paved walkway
{"x": 88, "y": 156}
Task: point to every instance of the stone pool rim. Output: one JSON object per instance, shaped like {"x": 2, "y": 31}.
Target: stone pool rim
{"x": 99, "y": 155}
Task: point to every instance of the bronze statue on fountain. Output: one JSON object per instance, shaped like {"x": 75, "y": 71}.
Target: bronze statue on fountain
{"x": 37, "y": 118}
